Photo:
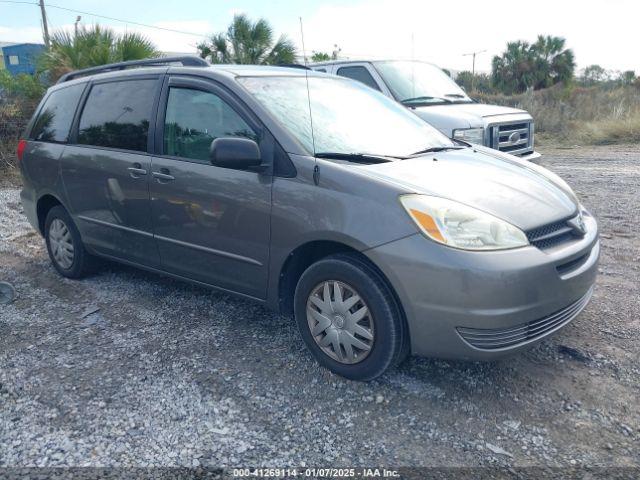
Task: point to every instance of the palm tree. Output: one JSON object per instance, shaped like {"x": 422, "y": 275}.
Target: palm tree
{"x": 91, "y": 47}
{"x": 554, "y": 63}
{"x": 247, "y": 42}
{"x": 514, "y": 70}
{"x": 539, "y": 65}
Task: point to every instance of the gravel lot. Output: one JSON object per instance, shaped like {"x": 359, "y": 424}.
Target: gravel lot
{"x": 128, "y": 368}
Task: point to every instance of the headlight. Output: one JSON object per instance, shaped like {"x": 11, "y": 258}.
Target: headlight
{"x": 457, "y": 225}
{"x": 471, "y": 135}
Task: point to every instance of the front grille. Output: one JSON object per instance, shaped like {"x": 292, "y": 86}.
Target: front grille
{"x": 572, "y": 264}
{"x": 551, "y": 234}
{"x": 513, "y": 138}
{"x": 499, "y": 338}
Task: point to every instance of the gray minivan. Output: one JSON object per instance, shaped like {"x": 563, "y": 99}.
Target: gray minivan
{"x": 313, "y": 195}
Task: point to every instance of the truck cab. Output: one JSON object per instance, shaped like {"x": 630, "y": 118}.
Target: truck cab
{"x": 434, "y": 97}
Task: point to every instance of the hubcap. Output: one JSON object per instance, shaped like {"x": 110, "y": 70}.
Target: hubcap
{"x": 61, "y": 244}
{"x": 340, "y": 322}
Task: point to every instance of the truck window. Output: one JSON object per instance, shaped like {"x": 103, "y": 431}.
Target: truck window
{"x": 55, "y": 117}
{"x": 117, "y": 115}
{"x": 360, "y": 74}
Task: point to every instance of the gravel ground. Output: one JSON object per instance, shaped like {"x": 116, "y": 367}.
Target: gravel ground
{"x": 128, "y": 368}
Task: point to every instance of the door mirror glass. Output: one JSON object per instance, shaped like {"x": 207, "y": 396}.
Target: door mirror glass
{"x": 234, "y": 152}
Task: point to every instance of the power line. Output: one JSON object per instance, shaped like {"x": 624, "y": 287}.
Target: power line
{"x": 107, "y": 18}
{"x": 126, "y": 21}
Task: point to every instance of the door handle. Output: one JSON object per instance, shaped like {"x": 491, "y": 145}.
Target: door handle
{"x": 136, "y": 170}
{"x": 163, "y": 175}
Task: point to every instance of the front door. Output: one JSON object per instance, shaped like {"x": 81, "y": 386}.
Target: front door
{"x": 211, "y": 224}
{"x": 106, "y": 169}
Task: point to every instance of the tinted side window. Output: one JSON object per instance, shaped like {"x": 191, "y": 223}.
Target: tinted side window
{"x": 117, "y": 115}
{"x": 194, "y": 119}
{"x": 54, "y": 120}
{"x": 360, "y": 74}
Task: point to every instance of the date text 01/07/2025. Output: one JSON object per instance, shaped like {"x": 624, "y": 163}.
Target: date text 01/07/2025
{"x": 314, "y": 472}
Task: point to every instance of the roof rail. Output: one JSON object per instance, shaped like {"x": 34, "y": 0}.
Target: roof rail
{"x": 292, "y": 65}
{"x": 185, "y": 60}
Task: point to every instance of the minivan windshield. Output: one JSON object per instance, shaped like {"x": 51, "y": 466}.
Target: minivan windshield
{"x": 348, "y": 117}
{"x": 419, "y": 82}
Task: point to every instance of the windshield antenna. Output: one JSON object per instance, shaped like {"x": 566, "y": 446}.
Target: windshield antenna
{"x": 316, "y": 170}
{"x": 413, "y": 66}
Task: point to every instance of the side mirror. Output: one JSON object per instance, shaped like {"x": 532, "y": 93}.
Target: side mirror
{"x": 234, "y": 152}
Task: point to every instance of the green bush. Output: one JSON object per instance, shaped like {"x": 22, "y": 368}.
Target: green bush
{"x": 22, "y": 86}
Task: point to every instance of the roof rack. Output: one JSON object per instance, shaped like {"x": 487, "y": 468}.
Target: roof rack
{"x": 185, "y": 60}
{"x": 292, "y": 65}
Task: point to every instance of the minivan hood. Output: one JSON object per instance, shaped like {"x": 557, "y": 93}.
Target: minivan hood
{"x": 465, "y": 115}
{"x": 526, "y": 195}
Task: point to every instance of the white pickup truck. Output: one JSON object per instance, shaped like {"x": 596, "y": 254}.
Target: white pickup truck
{"x": 438, "y": 100}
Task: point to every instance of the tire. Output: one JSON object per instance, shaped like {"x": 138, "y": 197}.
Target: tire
{"x": 385, "y": 322}
{"x": 59, "y": 232}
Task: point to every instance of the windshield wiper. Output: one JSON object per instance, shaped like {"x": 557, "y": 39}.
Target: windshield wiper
{"x": 437, "y": 149}
{"x": 358, "y": 157}
{"x": 423, "y": 98}
{"x": 455, "y": 95}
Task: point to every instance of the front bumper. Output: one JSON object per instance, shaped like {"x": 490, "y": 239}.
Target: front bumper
{"x": 531, "y": 156}
{"x": 447, "y": 293}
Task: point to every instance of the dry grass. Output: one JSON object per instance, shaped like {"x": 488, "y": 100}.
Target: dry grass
{"x": 593, "y": 115}
{"x": 609, "y": 131}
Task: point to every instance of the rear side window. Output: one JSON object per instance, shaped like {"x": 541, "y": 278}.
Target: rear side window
{"x": 54, "y": 120}
{"x": 195, "y": 118}
{"x": 117, "y": 115}
{"x": 360, "y": 74}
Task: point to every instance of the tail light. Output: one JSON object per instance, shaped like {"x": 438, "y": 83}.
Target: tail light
{"x": 22, "y": 144}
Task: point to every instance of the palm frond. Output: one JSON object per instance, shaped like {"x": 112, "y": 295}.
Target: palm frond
{"x": 283, "y": 52}
{"x": 247, "y": 42}
{"x": 92, "y": 46}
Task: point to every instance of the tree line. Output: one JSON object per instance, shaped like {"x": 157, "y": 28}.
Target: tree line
{"x": 533, "y": 66}
{"x": 522, "y": 66}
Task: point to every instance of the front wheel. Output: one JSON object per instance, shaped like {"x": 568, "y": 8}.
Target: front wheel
{"x": 349, "y": 318}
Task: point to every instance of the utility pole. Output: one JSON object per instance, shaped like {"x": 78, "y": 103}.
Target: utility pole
{"x": 75, "y": 25}
{"x": 473, "y": 67}
{"x": 45, "y": 26}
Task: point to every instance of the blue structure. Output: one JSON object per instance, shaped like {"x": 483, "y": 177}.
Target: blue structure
{"x": 21, "y": 57}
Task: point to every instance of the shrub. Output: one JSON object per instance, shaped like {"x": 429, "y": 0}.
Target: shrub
{"x": 19, "y": 97}
{"x": 22, "y": 86}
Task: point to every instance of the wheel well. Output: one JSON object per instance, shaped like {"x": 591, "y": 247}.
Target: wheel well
{"x": 301, "y": 258}
{"x": 46, "y": 203}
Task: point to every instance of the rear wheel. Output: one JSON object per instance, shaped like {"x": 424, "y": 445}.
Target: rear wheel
{"x": 349, "y": 318}
{"x": 66, "y": 251}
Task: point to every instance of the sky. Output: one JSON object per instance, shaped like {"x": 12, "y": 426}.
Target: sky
{"x": 599, "y": 32}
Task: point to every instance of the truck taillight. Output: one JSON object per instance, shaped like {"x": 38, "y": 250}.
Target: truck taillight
{"x": 22, "y": 144}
